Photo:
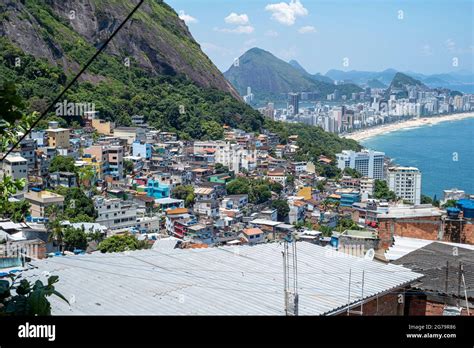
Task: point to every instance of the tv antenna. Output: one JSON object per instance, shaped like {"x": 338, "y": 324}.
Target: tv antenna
{"x": 290, "y": 274}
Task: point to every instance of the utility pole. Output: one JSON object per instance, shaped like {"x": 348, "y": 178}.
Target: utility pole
{"x": 290, "y": 274}
{"x": 465, "y": 290}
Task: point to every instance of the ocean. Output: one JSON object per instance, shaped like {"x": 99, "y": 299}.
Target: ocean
{"x": 443, "y": 152}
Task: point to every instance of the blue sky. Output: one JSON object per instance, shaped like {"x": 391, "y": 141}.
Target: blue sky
{"x": 413, "y": 35}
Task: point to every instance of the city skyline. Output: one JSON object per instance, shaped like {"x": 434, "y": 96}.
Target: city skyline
{"x": 345, "y": 36}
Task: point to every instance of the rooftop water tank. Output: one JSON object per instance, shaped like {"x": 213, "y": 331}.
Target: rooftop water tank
{"x": 453, "y": 213}
{"x": 467, "y": 207}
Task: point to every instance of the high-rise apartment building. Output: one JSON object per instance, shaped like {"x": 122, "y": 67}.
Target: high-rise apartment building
{"x": 406, "y": 183}
{"x": 368, "y": 163}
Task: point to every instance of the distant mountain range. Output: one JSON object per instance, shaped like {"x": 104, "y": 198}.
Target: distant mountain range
{"x": 272, "y": 78}
{"x": 451, "y": 80}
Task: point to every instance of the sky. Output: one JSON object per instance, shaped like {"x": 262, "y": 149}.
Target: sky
{"x": 423, "y": 36}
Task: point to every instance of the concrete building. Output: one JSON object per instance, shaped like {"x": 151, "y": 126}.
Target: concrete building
{"x": 57, "y": 137}
{"x": 130, "y": 134}
{"x": 277, "y": 175}
{"x": 116, "y": 214}
{"x": 16, "y": 167}
{"x": 41, "y": 200}
{"x": 142, "y": 149}
{"x": 234, "y": 156}
{"x": 111, "y": 158}
{"x": 453, "y": 194}
{"x": 293, "y": 104}
{"x": 406, "y": 183}
{"x": 368, "y": 163}
{"x": 102, "y": 126}
{"x": 367, "y": 187}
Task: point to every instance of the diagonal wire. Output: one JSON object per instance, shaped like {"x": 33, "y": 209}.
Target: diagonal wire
{"x": 85, "y": 67}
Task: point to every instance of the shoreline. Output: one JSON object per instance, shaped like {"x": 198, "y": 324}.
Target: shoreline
{"x": 413, "y": 123}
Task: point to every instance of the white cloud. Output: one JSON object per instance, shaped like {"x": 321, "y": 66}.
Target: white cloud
{"x": 241, "y": 29}
{"x": 237, "y": 19}
{"x": 286, "y": 13}
{"x": 209, "y": 47}
{"x": 288, "y": 53}
{"x": 250, "y": 42}
{"x": 271, "y": 33}
{"x": 187, "y": 18}
{"x": 450, "y": 45}
{"x": 307, "y": 29}
{"x": 426, "y": 50}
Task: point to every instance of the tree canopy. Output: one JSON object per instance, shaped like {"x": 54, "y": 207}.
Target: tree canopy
{"x": 120, "y": 243}
{"x": 381, "y": 191}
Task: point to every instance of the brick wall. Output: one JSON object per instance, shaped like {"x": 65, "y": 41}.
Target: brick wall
{"x": 423, "y": 228}
{"x": 388, "y": 304}
{"x": 467, "y": 234}
{"x": 420, "y": 306}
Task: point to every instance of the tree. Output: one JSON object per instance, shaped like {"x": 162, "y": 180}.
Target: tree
{"x": 12, "y": 123}
{"x": 75, "y": 238}
{"x": 451, "y": 203}
{"x": 220, "y": 168}
{"x": 22, "y": 298}
{"x": 76, "y": 203}
{"x": 282, "y": 208}
{"x": 326, "y": 230}
{"x": 381, "y": 191}
{"x": 260, "y": 193}
{"x": 426, "y": 200}
{"x": 120, "y": 243}
{"x": 290, "y": 180}
{"x": 128, "y": 167}
{"x": 239, "y": 186}
{"x": 320, "y": 186}
{"x": 276, "y": 187}
{"x": 56, "y": 233}
{"x": 212, "y": 130}
{"x": 62, "y": 164}
{"x": 16, "y": 211}
{"x": 352, "y": 172}
{"x": 85, "y": 175}
{"x": 186, "y": 193}
{"x": 347, "y": 224}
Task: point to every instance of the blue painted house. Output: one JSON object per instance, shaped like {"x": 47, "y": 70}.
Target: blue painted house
{"x": 157, "y": 189}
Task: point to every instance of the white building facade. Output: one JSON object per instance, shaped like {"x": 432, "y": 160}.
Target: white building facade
{"x": 406, "y": 183}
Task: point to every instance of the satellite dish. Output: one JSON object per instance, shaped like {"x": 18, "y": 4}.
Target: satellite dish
{"x": 369, "y": 255}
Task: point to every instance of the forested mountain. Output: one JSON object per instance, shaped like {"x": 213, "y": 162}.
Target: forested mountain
{"x": 271, "y": 77}
{"x": 153, "y": 67}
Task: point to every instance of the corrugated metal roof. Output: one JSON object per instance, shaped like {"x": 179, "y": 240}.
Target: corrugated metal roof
{"x": 240, "y": 280}
{"x": 405, "y": 245}
{"x": 438, "y": 261}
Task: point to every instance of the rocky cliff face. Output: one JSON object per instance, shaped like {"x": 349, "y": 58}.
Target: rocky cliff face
{"x": 155, "y": 38}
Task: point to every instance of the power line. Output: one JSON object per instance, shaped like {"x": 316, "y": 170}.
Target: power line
{"x": 84, "y": 68}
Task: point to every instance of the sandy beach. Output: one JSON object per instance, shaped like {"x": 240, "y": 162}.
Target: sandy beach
{"x": 414, "y": 123}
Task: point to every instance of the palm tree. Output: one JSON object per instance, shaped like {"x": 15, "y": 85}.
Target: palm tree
{"x": 86, "y": 174}
{"x": 56, "y": 233}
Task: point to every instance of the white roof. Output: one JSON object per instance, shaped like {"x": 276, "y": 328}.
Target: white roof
{"x": 231, "y": 280}
{"x": 405, "y": 245}
{"x": 167, "y": 200}
{"x": 10, "y": 225}
{"x": 17, "y": 236}
{"x": 265, "y": 222}
{"x": 96, "y": 227}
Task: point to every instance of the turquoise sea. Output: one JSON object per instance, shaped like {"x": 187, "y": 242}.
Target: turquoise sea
{"x": 443, "y": 152}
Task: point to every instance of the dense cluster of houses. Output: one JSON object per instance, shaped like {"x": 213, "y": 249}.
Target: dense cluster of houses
{"x": 148, "y": 183}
